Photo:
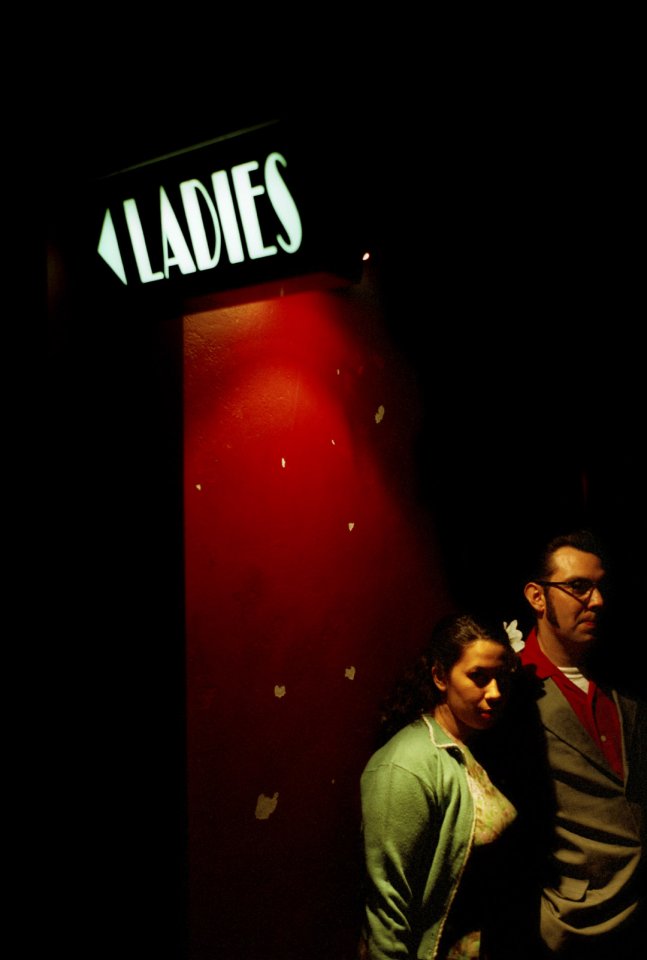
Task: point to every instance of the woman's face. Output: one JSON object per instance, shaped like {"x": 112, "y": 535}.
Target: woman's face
{"x": 475, "y": 689}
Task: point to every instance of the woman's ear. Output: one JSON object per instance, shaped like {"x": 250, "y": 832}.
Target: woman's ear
{"x": 438, "y": 678}
{"x": 535, "y": 596}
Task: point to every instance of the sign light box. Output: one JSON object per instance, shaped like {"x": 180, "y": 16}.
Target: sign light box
{"x": 247, "y": 216}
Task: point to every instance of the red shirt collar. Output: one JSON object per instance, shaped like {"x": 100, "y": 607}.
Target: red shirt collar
{"x": 532, "y": 653}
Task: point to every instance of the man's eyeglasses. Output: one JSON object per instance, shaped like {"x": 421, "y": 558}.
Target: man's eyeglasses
{"x": 581, "y": 587}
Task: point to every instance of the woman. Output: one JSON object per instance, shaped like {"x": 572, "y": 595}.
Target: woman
{"x": 431, "y": 814}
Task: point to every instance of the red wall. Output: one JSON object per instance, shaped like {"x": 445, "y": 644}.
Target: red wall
{"x": 311, "y": 577}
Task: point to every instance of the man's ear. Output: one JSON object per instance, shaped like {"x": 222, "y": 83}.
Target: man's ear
{"x": 437, "y": 677}
{"x": 535, "y": 596}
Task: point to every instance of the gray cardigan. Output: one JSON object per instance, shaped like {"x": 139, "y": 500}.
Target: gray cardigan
{"x": 599, "y": 824}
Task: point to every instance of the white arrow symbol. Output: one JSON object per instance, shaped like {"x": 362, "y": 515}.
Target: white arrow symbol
{"x": 109, "y": 248}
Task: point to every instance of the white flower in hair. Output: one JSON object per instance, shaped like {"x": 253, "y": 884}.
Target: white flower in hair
{"x": 516, "y": 636}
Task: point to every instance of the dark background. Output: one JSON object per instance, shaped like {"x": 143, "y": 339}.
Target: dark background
{"x": 501, "y": 197}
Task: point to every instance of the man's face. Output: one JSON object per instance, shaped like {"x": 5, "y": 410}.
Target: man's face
{"x": 573, "y": 610}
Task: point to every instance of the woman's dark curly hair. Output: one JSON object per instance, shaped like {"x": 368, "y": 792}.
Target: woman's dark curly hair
{"x": 417, "y": 693}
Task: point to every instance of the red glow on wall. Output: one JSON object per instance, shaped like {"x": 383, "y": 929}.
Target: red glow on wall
{"x": 310, "y": 579}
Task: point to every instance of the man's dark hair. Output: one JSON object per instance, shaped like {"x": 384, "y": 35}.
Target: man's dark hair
{"x": 584, "y": 540}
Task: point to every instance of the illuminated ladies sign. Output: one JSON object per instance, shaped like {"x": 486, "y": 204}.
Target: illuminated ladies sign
{"x": 211, "y": 223}
{"x": 241, "y": 214}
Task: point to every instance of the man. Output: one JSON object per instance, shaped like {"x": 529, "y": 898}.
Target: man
{"x": 595, "y": 745}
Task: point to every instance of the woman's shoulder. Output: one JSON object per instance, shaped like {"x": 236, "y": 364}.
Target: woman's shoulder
{"x": 413, "y": 745}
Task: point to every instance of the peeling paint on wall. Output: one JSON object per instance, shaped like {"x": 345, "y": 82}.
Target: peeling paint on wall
{"x": 198, "y": 486}
{"x": 265, "y": 806}
{"x": 380, "y": 414}
{"x": 259, "y": 391}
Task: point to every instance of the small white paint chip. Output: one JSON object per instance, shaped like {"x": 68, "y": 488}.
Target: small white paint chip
{"x": 350, "y": 673}
{"x": 265, "y": 806}
{"x": 380, "y": 414}
{"x": 283, "y": 462}
{"x": 279, "y": 691}
{"x": 198, "y": 486}
{"x": 350, "y": 526}
{"x": 333, "y": 442}
{"x": 338, "y": 371}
